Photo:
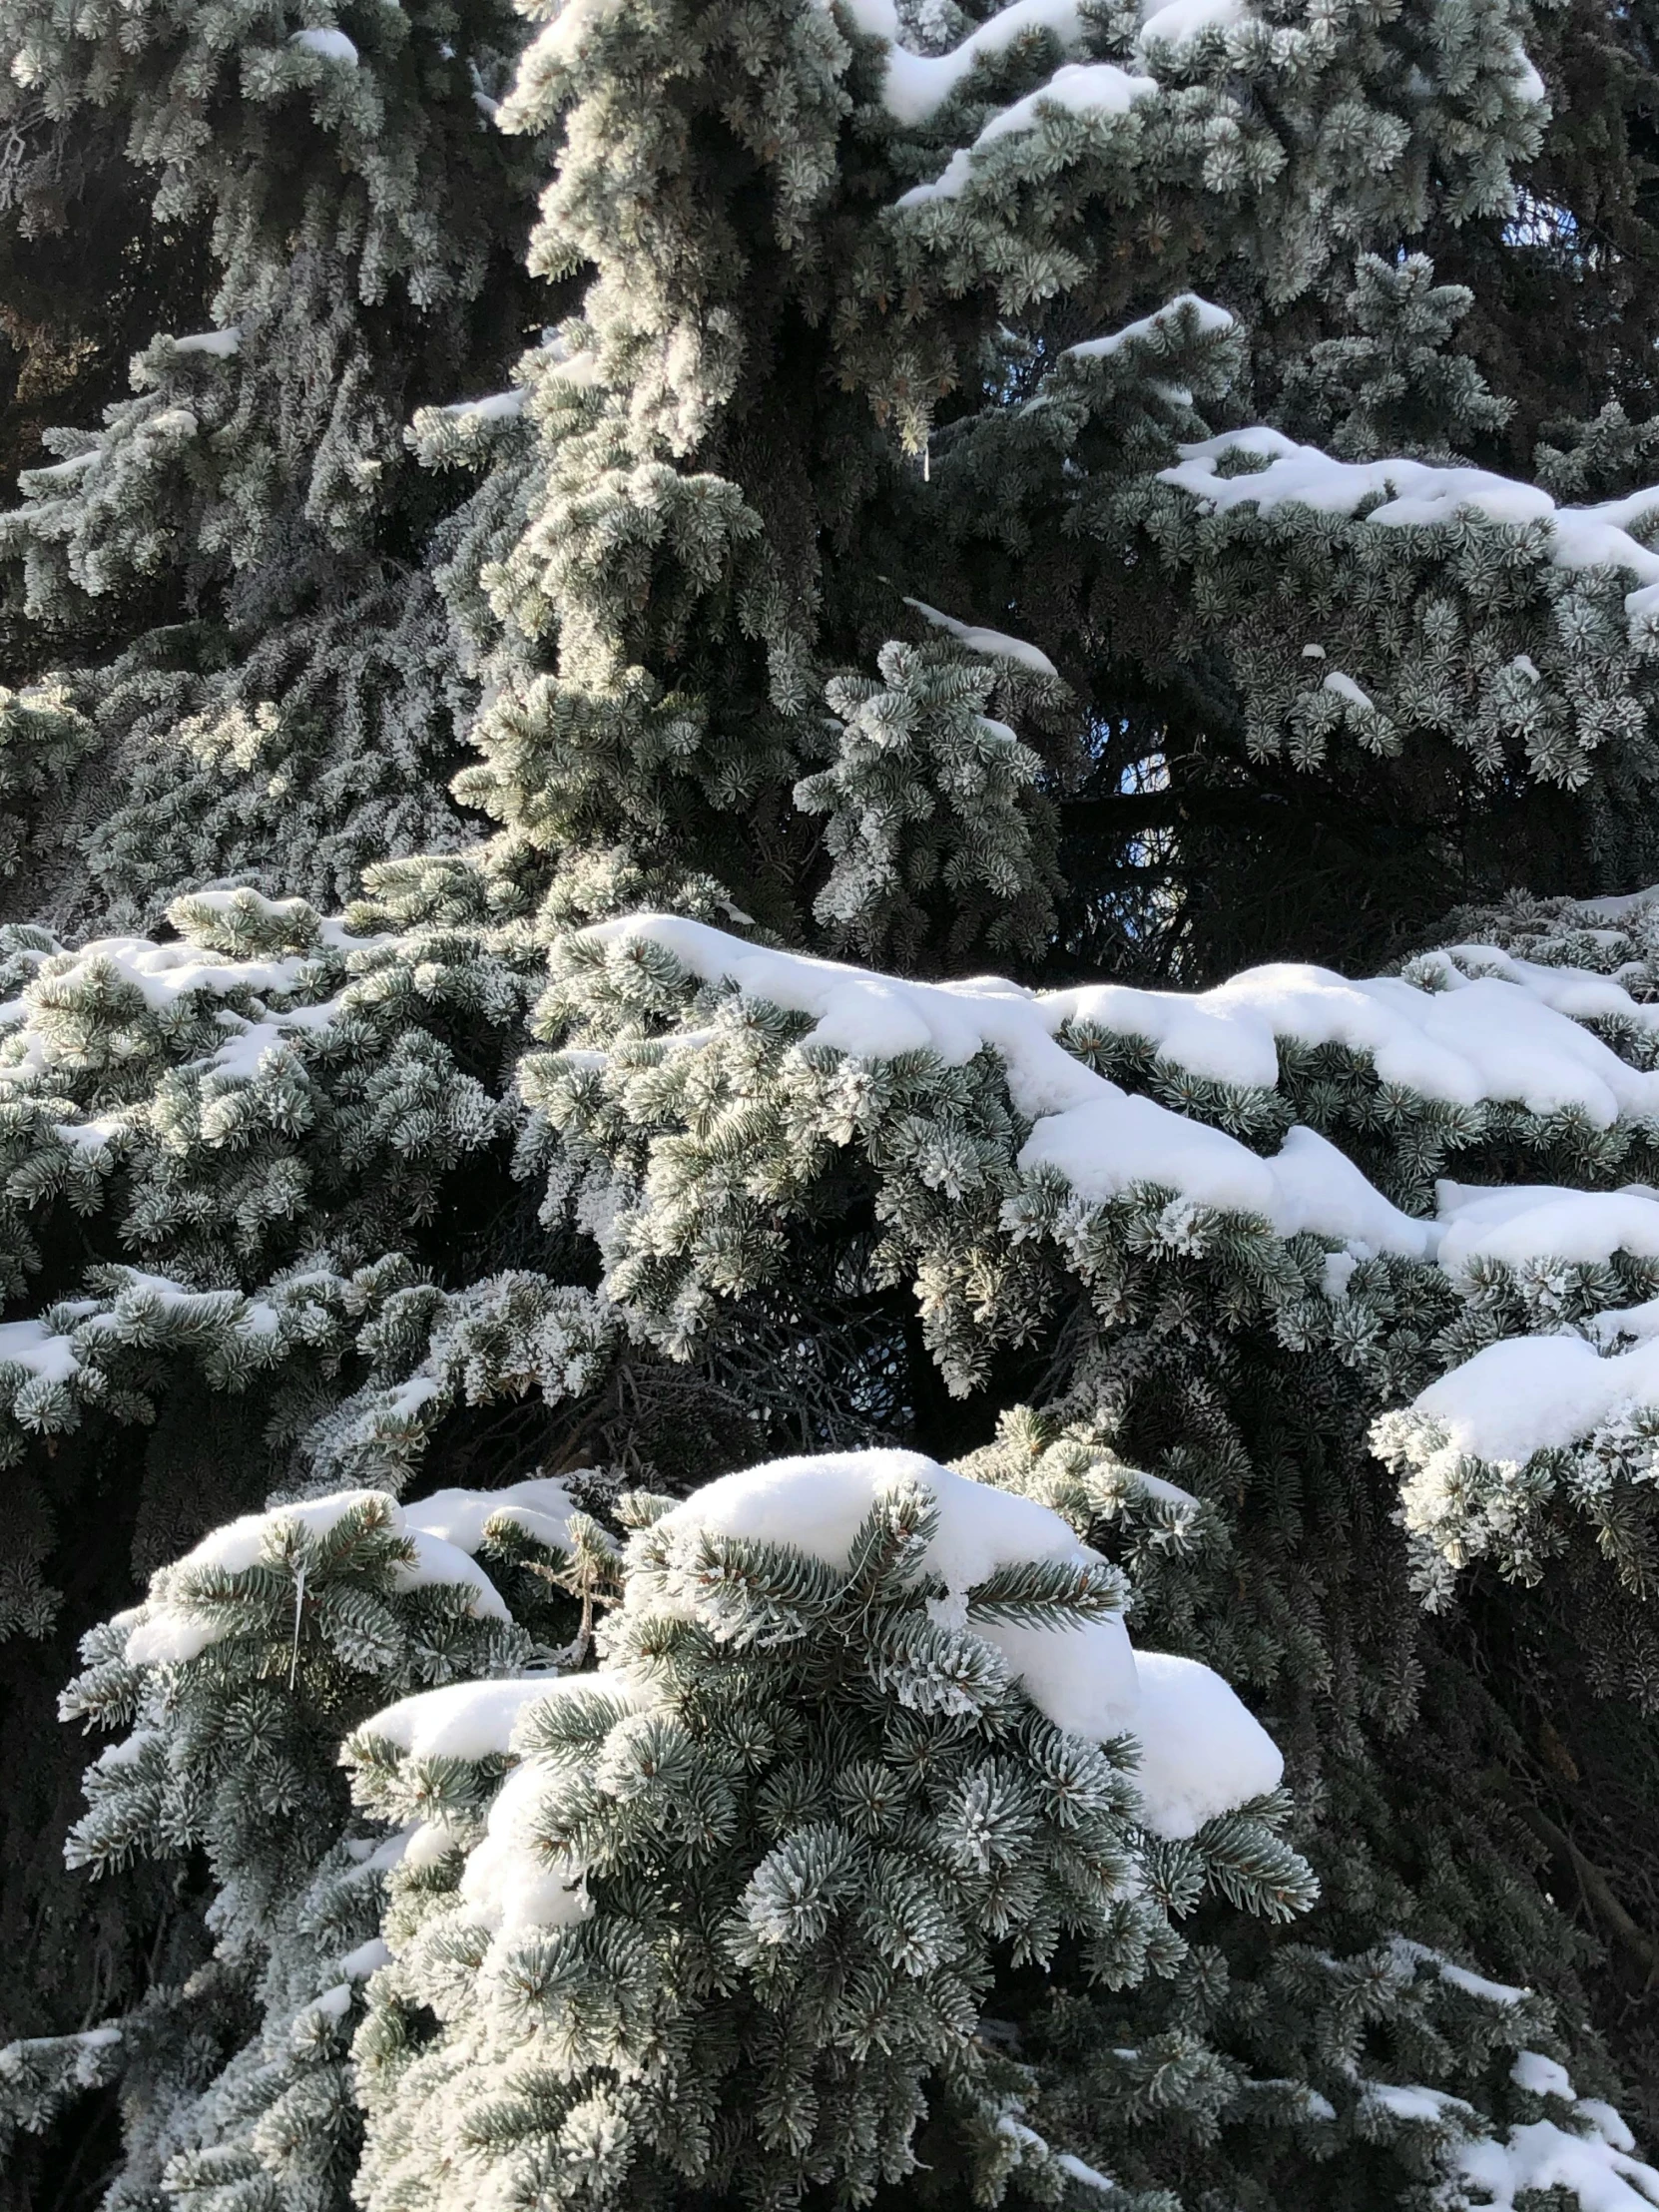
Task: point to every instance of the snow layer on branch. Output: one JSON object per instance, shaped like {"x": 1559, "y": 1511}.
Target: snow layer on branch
{"x": 173, "y": 1631}
{"x": 1080, "y": 88}
{"x": 1618, "y": 908}
{"x": 499, "y": 407}
{"x": 878, "y": 1017}
{"x": 1587, "y": 2159}
{"x": 1082, "y": 1677}
{"x": 331, "y": 44}
{"x": 541, "y": 1507}
{"x": 1527, "y": 1394}
{"x": 1579, "y": 992}
{"x": 221, "y": 345}
{"x": 1493, "y": 1037}
{"x": 1624, "y": 1324}
{"x": 1177, "y": 21}
{"x": 995, "y": 643}
{"x": 1212, "y": 321}
{"x": 1345, "y": 687}
{"x": 1523, "y": 1222}
{"x": 242, "y": 1058}
{"x": 165, "y": 974}
{"x": 509, "y": 1883}
{"x": 1203, "y": 1751}
{"x": 1204, "y": 1754}
{"x": 1113, "y": 1143}
{"x": 28, "y": 1344}
{"x": 1411, "y": 1955}
{"x": 1594, "y": 2165}
{"x": 1478, "y": 1039}
{"x": 1540, "y": 2076}
{"x": 1415, "y": 492}
{"x": 819, "y": 1502}
{"x": 436, "y": 1561}
{"x": 474, "y": 1720}
{"x": 180, "y": 978}
{"x": 918, "y": 84}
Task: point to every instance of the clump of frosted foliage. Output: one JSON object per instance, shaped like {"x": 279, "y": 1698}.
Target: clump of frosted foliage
{"x": 864, "y": 1731}
{"x": 227, "y": 1690}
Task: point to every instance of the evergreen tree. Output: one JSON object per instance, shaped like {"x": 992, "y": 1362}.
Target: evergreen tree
{"x": 597, "y": 1454}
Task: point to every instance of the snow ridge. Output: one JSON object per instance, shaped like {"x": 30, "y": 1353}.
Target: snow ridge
{"x": 1504, "y": 1035}
{"x": 1413, "y": 493}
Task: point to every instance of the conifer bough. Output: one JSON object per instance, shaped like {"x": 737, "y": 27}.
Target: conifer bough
{"x": 715, "y": 1556}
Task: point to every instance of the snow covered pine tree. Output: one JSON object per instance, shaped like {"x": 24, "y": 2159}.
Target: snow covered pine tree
{"x": 601, "y": 1458}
